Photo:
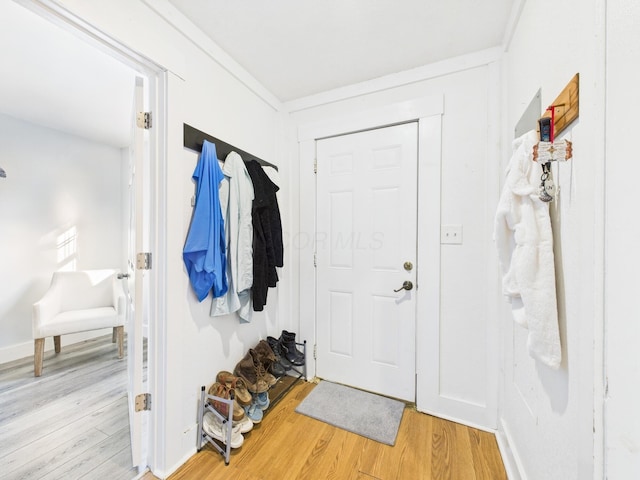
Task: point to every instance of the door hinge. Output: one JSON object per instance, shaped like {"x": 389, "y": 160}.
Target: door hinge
{"x": 315, "y": 351}
{"x": 143, "y": 261}
{"x": 143, "y": 402}
{"x": 315, "y": 165}
{"x": 143, "y": 120}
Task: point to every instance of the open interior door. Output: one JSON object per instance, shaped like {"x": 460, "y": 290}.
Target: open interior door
{"x": 138, "y": 401}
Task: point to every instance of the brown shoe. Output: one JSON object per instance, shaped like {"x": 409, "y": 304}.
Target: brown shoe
{"x": 237, "y": 384}
{"x": 221, "y": 391}
{"x": 252, "y": 372}
{"x": 267, "y": 358}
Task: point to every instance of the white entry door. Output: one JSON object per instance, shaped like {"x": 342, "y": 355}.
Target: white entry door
{"x": 366, "y": 237}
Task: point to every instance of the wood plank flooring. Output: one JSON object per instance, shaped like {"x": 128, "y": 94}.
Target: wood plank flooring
{"x": 70, "y": 423}
{"x": 287, "y": 446}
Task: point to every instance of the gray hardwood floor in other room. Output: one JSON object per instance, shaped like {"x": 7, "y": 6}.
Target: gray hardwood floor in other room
{"x": 70, "y": 423}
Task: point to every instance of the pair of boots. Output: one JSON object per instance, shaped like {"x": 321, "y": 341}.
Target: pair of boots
{"x": 254, "y": 366}
{"x": 288, "y": 350}
{"x": 269, "y": 359}
{"x": 281, "y": 362}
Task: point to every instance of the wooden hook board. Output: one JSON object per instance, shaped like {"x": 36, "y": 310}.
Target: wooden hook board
{"x": 566, "y": 105}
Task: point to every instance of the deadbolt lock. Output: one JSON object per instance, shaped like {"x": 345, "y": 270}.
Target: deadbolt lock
{"x": 408, "y": 266}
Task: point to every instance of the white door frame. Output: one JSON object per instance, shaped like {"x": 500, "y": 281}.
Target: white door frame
{"x": 428, "y": 113}
{"x": 156, "y": 182}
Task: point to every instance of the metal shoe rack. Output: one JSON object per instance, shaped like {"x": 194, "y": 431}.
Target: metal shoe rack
{"x": 296, "y": 373}
{"x": 206, "y": 401}
{"x": 227, "y": 423}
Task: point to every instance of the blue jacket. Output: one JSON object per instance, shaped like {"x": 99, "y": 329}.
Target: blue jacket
{"x": 204, "y": 250}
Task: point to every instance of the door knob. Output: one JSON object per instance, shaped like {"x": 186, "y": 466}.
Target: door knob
{"x": 123, "y": 275}
{"x": 406, "y": 285}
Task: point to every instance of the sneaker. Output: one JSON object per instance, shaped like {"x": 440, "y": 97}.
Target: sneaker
{"x": 245, "y": 425}
{"x": 254, "y": 413}
{"x": 214, "y": 427}
{"x": 261, "y": 400}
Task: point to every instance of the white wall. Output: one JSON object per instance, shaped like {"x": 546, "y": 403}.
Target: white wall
{"x": 55, "y": 183}
{"x": 220, "y": 99}
{"x": 466, "y": 367}
{"x": 622, "y": 283}
{"x": 546, "y": 416}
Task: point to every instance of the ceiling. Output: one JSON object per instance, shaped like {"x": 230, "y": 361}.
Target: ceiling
{"x": 294, "y": 48}
{"x": 51, "y": 78}
{"x": 297, "y": 48}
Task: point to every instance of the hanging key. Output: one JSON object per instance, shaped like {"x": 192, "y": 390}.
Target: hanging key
{"x": 546, "y": 188}
{"x": 543, "y": 195}
{"x": 550, "y": 187}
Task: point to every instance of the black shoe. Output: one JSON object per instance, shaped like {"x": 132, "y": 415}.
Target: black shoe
{"x": 289, "y": 347}
{"x": 274, "y": 343}
{"x": 276, "y": 369}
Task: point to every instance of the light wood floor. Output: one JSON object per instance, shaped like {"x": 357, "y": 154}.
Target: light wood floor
{"x": 70, "y": 423}
{"x": 287, "y": 446}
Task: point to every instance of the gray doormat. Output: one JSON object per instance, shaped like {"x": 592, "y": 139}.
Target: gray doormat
{"x": 363, "y": 413}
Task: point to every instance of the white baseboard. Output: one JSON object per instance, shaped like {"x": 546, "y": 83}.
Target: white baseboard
{"x": 176, "y": 466}
{"x": 510, "y": 457}
{"x": 25, "y": 349}
{"x": 461, "y": 421}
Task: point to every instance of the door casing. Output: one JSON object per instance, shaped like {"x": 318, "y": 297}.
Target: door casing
{"x": 155, "y": 180}
{"x": 427, "y": 112}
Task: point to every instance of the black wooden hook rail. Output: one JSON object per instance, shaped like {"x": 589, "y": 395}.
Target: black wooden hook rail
{"x": 194, "y": 138}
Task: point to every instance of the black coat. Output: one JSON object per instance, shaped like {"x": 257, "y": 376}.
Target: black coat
{"x": 268, "y": 248}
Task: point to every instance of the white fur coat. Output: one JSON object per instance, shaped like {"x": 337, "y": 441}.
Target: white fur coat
{"x": 524, "y": 241}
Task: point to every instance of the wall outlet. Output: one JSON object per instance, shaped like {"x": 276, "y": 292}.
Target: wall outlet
{"x": 451, "y": 234}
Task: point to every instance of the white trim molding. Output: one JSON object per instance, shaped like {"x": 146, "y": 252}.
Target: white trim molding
{"x": 394, "y": 80}
{"x": 428, "y": 113}
{"x": 203, "y": 42}
{"x": 395, "y": 113}
{"x": 510, "y": 458}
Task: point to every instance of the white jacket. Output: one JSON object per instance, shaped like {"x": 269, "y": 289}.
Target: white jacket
{"x": 524, "y": 241}
{"x": 236, "y": 201}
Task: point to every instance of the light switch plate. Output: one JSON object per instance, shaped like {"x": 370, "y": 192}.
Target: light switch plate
{"x": 451, "y": 234}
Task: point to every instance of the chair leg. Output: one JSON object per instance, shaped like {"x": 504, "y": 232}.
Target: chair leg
{"x": 114, "y": 336}
{"x": 38, "y": 356}
{"x": 56, "y": 343}
{"x": 120, "y": 331}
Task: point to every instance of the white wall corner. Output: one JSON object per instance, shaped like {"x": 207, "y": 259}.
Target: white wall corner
{"x": 163, "y": 474}
{"x": 182, "y": 24}
{"x": 394, "y": 80}
{"x": 514, "y": 17}
{"x": 510, "y": 458}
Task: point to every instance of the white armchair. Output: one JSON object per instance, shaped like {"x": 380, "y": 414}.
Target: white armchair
{"x": 78, "y": 302}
